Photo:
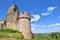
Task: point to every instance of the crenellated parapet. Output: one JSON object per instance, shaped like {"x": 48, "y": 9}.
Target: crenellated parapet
{"x": 24, "y": 15}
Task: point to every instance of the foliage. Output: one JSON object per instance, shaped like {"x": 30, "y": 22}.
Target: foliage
{"x": 8, "y": 34}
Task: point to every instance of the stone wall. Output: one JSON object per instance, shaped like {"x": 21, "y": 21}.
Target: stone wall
{"x": 1, "y": 24}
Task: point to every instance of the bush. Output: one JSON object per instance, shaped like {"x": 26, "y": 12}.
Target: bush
{"x": 55, "y": 35}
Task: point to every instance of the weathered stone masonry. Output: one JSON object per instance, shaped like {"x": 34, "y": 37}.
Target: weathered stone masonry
{"x": 18, "y": 21}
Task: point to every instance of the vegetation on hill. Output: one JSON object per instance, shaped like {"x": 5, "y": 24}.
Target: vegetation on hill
{"x": 8, "y": 34}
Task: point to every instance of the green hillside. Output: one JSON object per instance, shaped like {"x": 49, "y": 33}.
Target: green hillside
{"x": 8, "y": 34}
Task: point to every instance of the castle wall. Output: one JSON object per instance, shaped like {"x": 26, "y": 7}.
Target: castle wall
{"x": 1, "y": 24}
{"x": 11, "y": 26}
{"x": 20, "y": 22}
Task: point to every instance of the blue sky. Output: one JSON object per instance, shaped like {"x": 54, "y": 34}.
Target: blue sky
{"x": 45, "y": 14}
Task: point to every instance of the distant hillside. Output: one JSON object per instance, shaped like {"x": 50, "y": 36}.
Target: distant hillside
{"x": 8, "y": 34}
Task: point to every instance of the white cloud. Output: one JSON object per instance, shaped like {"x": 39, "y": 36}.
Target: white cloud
{"x": 34, "y": 25}
{"x": 41, "y": 28}
{"x": 36, "y": 17}
{"x": 49, "y": 11}
{"x": 54, "y": 25}
{"x": 42, "y": 25}
{"x": 45, "y": 14}
{"x": 51, "y": 8}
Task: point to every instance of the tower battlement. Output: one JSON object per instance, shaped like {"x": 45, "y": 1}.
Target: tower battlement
{"x": 24, "y": 15}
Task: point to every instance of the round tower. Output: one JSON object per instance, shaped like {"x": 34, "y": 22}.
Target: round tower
{"x": 25, "y": 25}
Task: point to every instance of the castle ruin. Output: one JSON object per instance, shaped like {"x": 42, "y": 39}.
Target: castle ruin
{"x": 17, "y": 21}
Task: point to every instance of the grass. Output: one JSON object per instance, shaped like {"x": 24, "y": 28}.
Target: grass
{"x": 8, "y": 34}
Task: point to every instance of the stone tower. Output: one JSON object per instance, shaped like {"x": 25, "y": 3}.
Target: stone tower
{"x": 25, "y": 27}
{"x": 12, "y": 17}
